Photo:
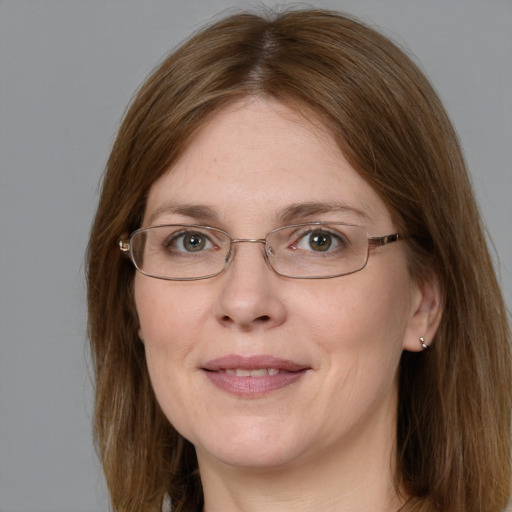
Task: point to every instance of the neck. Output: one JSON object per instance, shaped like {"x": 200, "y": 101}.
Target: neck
{"x": 356, "y": 476}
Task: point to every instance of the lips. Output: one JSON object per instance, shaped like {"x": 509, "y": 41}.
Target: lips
{"x": 251, "y": 377}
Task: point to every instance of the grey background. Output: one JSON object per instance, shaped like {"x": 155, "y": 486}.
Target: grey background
{"x": 67, "y": 70}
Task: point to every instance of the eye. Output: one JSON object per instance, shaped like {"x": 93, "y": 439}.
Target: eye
{"x": 188, "y": 241}
{"x": 320, "y": 240}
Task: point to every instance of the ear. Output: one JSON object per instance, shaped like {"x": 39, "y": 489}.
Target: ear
{"x": 425, "y": 313}
{"x": 141, "y": 337}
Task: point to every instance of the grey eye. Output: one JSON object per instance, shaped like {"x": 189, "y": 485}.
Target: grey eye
{"x": 193, "y": 242}
{"x": 320, "y": 240}
{"x": 189, "y": 241}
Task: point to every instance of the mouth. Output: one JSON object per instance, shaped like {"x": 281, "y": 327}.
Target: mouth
{"x": 255, "y": 376}
{"x": 259, "y": 372}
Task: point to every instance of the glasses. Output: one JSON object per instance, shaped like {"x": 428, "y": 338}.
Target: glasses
{"x": 318, "y": 250}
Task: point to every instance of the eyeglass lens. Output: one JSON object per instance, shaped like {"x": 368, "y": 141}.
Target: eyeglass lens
{"x": 306, "y": 250}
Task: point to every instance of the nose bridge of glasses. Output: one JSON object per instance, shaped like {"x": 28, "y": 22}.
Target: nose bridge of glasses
{"x": 249, "y": 240}
{"x": 235, "y": 241}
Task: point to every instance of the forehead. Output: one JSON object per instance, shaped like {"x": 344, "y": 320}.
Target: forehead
{"x": 256, "y": 159}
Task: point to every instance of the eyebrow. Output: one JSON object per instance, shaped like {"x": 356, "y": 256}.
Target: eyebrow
{"x": 307, "y": 210}
{"x": 292, "y": 213}
{"x": 199, "y": 212}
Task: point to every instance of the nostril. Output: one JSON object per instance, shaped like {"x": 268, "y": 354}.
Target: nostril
{"x": 261, "y": 319}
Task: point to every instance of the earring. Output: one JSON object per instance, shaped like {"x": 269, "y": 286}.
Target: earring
{"x": 423, "y": 344}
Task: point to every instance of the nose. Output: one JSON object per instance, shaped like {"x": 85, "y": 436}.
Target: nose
{"x": 251, "y": 293}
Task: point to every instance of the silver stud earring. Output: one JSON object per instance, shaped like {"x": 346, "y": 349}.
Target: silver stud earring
{"x": 423, "y": 344}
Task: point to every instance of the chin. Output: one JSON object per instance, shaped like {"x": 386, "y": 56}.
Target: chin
{"x": 247, "y": 445}
{"x": 252, "y": 457}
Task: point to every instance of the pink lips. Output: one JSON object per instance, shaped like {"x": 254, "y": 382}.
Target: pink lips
{"x": 250, "y": 377}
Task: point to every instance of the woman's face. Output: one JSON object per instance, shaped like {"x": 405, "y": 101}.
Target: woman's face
{"x": 256, "y": 369}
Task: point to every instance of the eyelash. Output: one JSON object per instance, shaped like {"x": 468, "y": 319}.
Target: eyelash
{"x": 329, "y": 241}
{"x": 340, "y": 240}
{"x": 176, "y": 238}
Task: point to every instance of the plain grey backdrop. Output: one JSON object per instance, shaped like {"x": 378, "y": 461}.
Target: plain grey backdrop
{"x": 67, "y": 71}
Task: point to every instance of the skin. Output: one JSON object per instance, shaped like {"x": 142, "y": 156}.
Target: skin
{"x": 327, "y": 441}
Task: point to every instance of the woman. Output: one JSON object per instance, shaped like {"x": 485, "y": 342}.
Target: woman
{"x": 315, "y": 323}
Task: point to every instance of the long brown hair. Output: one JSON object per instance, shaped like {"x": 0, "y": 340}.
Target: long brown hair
{"x": 453, "y": 432}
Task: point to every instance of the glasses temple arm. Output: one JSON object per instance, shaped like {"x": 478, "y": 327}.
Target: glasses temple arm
{"x": 376, "y": 241}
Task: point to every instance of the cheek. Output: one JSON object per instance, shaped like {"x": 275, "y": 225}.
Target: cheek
{"x": 169, "y": 322}
{"x": 359, "y": 326}
{"x": 169, "y": 315}
{"x": 358, "y": 333}
{"x": 169, "y": 329}
{"x": 358, "y": 317}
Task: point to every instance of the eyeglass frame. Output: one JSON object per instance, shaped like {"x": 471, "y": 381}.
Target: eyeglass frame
{"x": 373, "y": 241}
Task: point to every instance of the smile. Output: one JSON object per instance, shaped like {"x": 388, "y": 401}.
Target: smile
{"x": 252, "y": 377}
